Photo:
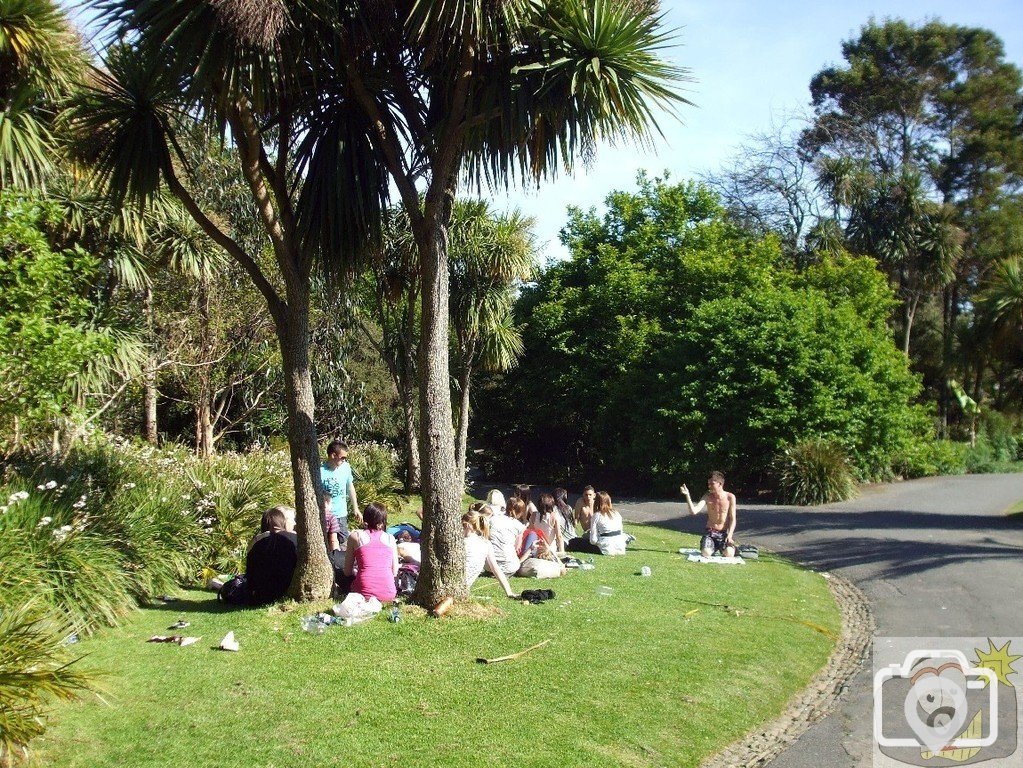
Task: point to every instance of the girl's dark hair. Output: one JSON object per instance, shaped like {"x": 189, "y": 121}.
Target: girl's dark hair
{"x": 561, "y": 500}
{"x": 546, "y": 505}
{"x": 523, "y": 492}
{"x": 517, "y": 509}
{"x": 374, "y": 517}
{"x": 272, "y": 518}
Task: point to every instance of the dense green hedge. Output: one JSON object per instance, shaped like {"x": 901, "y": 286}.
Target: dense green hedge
{"x": 671, "y": 343}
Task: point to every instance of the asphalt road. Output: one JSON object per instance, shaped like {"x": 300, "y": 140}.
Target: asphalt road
{"x": 935, "y": 557}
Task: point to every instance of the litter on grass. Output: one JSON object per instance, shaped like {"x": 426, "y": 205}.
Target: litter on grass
{"x": 513, "y": 656}
{"x": 176, "y": 639}
{"x": 229, "y": 643}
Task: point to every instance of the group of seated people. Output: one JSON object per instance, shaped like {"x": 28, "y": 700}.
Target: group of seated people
{"x": 503, "y": 538}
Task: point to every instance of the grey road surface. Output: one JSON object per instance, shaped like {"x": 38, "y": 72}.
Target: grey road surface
{"x": 935, "y": 557}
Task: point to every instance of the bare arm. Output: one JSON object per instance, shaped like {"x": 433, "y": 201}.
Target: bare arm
{"x": 349, "y": 566}
{"x": 594, "y": 537}
{"x": 355, "y": 503}
{"x": 731, "y": 518}
{"x": 335, "y": 542}
{"x": 499, "y": 574}
{"x": 394, "y": 557}
{"x": 694, "y": 509}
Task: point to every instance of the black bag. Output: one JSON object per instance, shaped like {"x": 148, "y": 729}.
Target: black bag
{"x": 236, "y": 591}
{"x": 406, "y": 580}
{"x": 537, "y": 595}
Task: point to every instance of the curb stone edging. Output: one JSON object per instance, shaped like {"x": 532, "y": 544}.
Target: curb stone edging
{"x": 815, "y": 701}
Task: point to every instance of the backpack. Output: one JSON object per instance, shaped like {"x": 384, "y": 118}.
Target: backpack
{"x": 406, "y": 580}
{"x": 236, "y": 591}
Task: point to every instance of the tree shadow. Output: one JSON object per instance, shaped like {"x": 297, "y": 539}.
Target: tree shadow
{"x": 185, "y": 606}
{"x": 835, "y": 539}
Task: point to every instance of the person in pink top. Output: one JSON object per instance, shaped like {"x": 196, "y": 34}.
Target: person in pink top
{"x": 372, "y": 555}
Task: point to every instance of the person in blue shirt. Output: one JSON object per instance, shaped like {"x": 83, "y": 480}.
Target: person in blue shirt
{"x": 337, "y": 480}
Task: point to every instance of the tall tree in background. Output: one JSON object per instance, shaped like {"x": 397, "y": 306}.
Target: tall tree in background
{"x": 489, "y": 254}
{"x": 324, "y": 102}
{"x": 387, "y": 312}
{"x": 312, "y": 179}
{"x": 938, "y": 103}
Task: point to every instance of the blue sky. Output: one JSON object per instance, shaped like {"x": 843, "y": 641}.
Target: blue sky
{"x": 751, "y": 63}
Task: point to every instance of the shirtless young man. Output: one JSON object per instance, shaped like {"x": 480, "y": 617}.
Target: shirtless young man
{"x": 720, "y": 506}
{"x": 584, "y": 509}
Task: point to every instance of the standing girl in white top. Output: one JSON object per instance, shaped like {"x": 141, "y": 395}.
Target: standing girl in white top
{"x": 606, "y": 529}
{"x": 479, "y": 553}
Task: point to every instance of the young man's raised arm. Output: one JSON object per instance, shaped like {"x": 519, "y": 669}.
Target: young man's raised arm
{"x": 700, "y": 506}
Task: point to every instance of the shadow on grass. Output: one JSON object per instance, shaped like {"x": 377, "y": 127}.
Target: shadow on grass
{"x": 189, "y": 606}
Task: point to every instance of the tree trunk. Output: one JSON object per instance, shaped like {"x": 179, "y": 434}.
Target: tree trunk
{"x": 908, "y": 313}
{"x": 313, "y": 575}
{"x": 204, "y": 373}
{"x": 443, "y": 567}
{"x": 464, "y": 381}
{"x": 413, "y": 480}
{"x": 204, "y": 441}
{"x": 150, "y": 393}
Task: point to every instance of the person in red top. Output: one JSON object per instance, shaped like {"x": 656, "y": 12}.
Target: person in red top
{"x": 375, "y": 552}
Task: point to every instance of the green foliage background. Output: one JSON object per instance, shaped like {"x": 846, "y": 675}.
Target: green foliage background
{"x": 49, "y": 328}
{"x": 671, "y": 342}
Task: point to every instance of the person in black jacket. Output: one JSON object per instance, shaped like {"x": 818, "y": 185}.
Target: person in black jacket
{"x": 272, "y": 557}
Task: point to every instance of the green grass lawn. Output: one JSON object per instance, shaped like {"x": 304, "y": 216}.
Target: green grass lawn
{"x": 648, "y": 676}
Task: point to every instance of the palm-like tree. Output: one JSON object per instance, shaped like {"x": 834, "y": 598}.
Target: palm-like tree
{"x": 890, "y": 217}
{"x": 329, "y": 102}
{"x": 1000, "y": 309}
{"x": 39, "y": 59}
{"x": 488, "y": 255}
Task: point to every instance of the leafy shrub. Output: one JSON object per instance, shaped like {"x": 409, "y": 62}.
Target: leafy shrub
{"x": 672, "y": 343}
{"x": 33, "y": 670}
{"x": 374, "y": 466}
{"x": 814, "y": 471}
{"x": 1003, "y": 435}
{"x": 927, "y": 458}
{"x": 52, "y": 553}
{"x": 987, "y": 458}
{"x": 151, "y": 519}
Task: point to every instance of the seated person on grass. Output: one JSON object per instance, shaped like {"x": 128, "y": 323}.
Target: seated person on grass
{"x": 271, "y": 561}
{"x": 536, "y": 553}
{"x": 506, "y": 536}
{"x": 720, "y": 506}
{"x": 375, "y": 552}
{"x": 479, "y": 552}
{"x": 606, "y": 531}
{"x": 584, "y": 509}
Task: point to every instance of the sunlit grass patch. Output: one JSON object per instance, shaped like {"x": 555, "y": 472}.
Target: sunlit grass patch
{"x": 664, "y": 671}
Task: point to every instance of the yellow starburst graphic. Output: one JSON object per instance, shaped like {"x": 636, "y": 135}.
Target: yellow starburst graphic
{"x": 998, "y": 660}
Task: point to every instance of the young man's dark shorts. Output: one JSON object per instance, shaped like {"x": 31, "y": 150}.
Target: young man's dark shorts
{"x": 716, "y": 540}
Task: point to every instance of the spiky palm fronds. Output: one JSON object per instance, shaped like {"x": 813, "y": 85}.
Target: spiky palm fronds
{"x": 39, "y": 60}
{"x": 34, "y": 669}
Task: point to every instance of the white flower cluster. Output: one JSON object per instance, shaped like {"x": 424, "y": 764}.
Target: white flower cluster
{"x": 13, "y": 499}
{"x": 49, "y": 485}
